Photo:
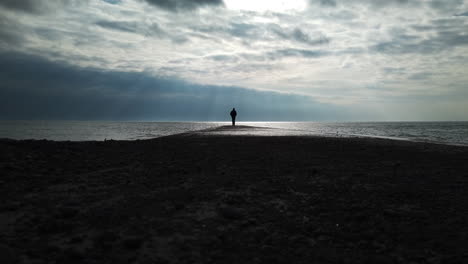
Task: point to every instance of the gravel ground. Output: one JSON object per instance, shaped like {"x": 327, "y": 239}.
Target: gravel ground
{"x": 211, "y": 198}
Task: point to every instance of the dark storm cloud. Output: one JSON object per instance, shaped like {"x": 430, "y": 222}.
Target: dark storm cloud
{"x": 60, "y": 91}
{"x": 136, "y": 27}
{"x": 177, "y": 5}
{"x": 453, "y": 24}
{"x": 383, "y": 3}
{"x": 22, "y": 5}
{"x": 39, "y": 6}
{"x": 125, "y": 26}
{"x": 252, "y": 67}
{"x": 328, "y": 2}
{"x": 9, "y": 38}
{"x": 281, "y": 53}
{"x": 223, "y": 58}
{"x": 393, "y": 70}
{"x": 114, "y": 2}
{"x": 300, "y": 36}
{"x": 242, "y": 30}
{"x": 447, "y": 35}
{"x": 420, "y": 76}
{"x": 9, "y": 32}
{"x": 297, "y": 53}
{"x": 233, "y": 29}
{"x": 266, "y": 32}
{"x": 445, "y": 5}
{"x": 440, "y": 5}
{"x": 147, "y": 30}
{"x": 372, "y": 3}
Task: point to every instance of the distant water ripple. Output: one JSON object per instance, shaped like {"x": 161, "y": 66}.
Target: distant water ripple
{"x": 440, "y": 132}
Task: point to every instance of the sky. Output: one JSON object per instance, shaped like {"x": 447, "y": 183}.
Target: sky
{"x": 274, "y": 60}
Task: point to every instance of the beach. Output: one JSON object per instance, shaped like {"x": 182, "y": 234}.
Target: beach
{"x": 233, "y": 195}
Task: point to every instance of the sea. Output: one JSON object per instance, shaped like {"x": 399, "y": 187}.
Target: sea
{"x": 452, "y": 133}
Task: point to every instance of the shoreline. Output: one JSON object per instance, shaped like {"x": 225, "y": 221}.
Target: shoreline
{"x": 210, "y": 198}
{"x": 208, "y": 130}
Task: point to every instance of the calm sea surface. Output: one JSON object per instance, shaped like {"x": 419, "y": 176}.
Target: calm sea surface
{"x": 441, "y": 132}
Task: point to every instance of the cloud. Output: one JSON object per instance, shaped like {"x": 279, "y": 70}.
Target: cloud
{"x": 299, "y": 35}
{"x": 113, "y": 2}
{"x": 439, "y": 5}
{"x": 304, "y": 53}
{"x": 384, "y": 3}
{"x": 445, "y": 6}
{"x": 30, "y": 6}
{"x": 125, "y": 26}
{"x": 9, "y": 32}
{"x": 462, "y": 14}
{"x": 223, "y": 58}
{"x": 135, "y": 26}
{"x": 353, "y": 53}
{"x": 39, "y": 6}
{"x": 393, "y": 70}
{"x": 61, "y": 91}
{"x": 264, "y": 32}
{"x": 371, "y": 3}
{"x": 328, "y": 2}
{"x": 242, "y": 30}
{"x": 142, "y": 29}
{"x": 232, "y": 29}
{"x": 441, "y": 41}
{"x": 421, "y": 76}
{"x": 182, "y": 5}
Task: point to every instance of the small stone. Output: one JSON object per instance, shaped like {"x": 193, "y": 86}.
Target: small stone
{"x": 73, "y": 254}
{"x": 133, "y": 243}
{"x": 7, "y": 256}
{"x": 106, "y": 239}
{"x": 230, "y": 213}
{"x": 76, "y": 240}
{"x": 312, "y": 242}
{"x": 68, "y": 212}
{"x": 379, "y": 259}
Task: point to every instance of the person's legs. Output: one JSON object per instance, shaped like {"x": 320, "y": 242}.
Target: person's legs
{"x": 233, "y": 121}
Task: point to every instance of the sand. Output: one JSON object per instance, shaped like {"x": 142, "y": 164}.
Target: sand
{"x": 217, "y": 197}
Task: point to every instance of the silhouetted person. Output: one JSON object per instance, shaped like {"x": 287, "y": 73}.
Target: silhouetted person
{"x": 233, "y": 116}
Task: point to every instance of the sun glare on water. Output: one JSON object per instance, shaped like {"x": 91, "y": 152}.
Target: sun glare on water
{"x": 266, "y": 5}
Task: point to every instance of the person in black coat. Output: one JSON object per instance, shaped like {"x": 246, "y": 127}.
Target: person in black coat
{"x": 233, "y": 116}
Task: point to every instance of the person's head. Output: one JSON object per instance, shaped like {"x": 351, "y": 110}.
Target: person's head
{"x": 233, "y": 108}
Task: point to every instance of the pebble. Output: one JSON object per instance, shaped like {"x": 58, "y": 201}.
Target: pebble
{"x": 68, "y": 212}
{"x": 7, "y": 256}
{"x": 230, "y": 213}
{"x": 73, "y": 254}
{"x": 133, "y": 243}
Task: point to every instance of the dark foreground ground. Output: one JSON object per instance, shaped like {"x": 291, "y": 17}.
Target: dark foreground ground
{"x": 233, "y": 199}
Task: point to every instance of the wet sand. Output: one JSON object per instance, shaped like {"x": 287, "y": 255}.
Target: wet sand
{"x": 224, "y": 196}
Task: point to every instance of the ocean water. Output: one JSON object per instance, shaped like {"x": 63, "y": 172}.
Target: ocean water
{"x": 96, "y": 130}
{"x": 455, "y": 133}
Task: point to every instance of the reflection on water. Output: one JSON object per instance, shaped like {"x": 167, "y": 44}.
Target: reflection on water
{"x": 441, "y": 132}
{"x": 97, "y": 130}
{"x": 444, "y": 132}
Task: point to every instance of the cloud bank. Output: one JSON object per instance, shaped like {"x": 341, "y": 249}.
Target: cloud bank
{"x": 59, "y": 91}
{"x": 382, "y": 60}
{"x": 176, "y": 5}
